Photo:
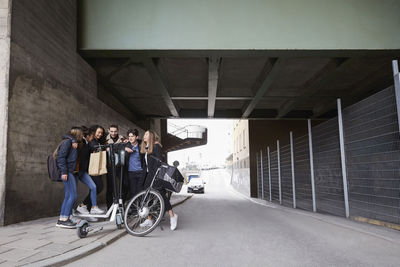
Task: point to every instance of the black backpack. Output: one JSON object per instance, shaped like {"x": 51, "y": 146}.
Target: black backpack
{"x": 52, "y": 168}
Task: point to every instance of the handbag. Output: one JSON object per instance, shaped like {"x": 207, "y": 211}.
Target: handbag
{"x": 98, "y": 163}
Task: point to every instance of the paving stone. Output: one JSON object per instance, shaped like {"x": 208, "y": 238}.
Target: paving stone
{"x": 40, "y": 256}
{"x": 8, "y": 239}
{"x": 8, "y": 263}
{"x": 27, "y": 243}
{"x": 63, "y": 239}
{"x": 59, "y": 247}
{"x": 4, "y": 249}
{"x": 16, "y": 255}
{"x": 10, "y": 231}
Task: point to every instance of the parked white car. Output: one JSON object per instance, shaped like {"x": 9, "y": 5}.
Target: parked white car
{"x": 196, "y": 185}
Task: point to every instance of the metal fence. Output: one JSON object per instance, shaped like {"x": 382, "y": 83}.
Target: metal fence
{"x": 360, "y": 156}
{"x": 327, "y": 168}
{"x": 373, "y": 157}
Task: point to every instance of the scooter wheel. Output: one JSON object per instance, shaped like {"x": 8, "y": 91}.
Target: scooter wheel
{"x": 82, "y": 230}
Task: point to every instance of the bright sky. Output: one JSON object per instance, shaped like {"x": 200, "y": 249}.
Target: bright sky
{"x": 217, "y": 149}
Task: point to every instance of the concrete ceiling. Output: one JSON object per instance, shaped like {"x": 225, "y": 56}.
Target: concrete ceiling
{"x": 201, "y": 85}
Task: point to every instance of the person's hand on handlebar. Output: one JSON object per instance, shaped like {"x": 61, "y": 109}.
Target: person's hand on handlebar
{"x": 129, "y": 150}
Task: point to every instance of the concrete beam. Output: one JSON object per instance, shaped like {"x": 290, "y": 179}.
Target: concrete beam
{"x": 160, "y": 85}
{"x": 5, "y": 30}
{"x": 250, "y": 53}
{"x": 266, "y": 84}
{"x": 226, "y": 98}
{"x": 107, "y": 90}
{"x": 118, "y": 69}
{"x": 213, "y": 69}
{"x": 312, "y": 86}
{"x": 227, "y": 24}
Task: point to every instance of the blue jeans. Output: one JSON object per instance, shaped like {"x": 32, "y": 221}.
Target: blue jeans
{"x": 87, "y": 180}
{"x": 70, "y": 196}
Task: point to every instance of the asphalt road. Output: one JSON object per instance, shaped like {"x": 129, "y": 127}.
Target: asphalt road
{"x": 222, "y": 228}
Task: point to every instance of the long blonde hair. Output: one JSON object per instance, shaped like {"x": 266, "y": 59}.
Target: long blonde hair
{"x": 150, "y": 142}
{"x": 77, "y": 134}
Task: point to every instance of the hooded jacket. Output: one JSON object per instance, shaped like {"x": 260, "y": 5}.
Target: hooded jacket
{"x": 67, "y": 155}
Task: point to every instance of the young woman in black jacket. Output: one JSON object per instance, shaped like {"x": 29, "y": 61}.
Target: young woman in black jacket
{"x": 84, "y": 156}
{"x": 99, "y": 139}
{"x": 152, "y": 151}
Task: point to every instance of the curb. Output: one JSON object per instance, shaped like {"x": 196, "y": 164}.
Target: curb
{"x": 83, "y": 251}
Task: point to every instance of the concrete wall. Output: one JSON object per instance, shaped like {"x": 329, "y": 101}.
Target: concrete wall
{"x": 237, "y": 24}
{"x": 5, "y": 16}
{"x": 264, "y": 133}
{"x": 241, "y": 151}
{"x": 51, "y": 89}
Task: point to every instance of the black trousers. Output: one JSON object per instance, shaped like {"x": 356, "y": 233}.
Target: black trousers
{"x": 161, "y": 187}
{"x": 134, "y": 179}
{"x": 99, "y": 187}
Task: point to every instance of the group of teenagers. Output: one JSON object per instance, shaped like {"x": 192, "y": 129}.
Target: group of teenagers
{"x": 73, "y": 156}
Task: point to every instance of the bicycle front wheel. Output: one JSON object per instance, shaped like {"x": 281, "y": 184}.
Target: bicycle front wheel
{"x": 147, "y": 205}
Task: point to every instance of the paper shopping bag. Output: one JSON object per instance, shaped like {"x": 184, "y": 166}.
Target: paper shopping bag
{"x": 98, "y": 163}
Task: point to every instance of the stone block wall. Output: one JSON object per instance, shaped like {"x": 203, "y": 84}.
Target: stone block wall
{"x": 51, "y": 88}
{"x": 5, "y": 12}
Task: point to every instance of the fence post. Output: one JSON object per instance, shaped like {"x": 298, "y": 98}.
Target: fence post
{"x": 279, "y": 171}
{"x": 292, "y": 163}
{"x": 262, "y": 174}
{"x": 312, "y": 166}
{"x": 396, "y": 77}
{"x": 343, "y": 158}
{"x": 269, "y": 176}
{"x": 258, "y": 178}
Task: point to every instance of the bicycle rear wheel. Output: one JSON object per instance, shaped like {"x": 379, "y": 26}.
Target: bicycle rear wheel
{"x": 142, "y": 207}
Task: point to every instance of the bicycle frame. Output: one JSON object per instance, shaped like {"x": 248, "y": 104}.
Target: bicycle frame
{"x": 151, "y": 185}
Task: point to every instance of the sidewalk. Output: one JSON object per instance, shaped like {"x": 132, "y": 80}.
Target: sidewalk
{"x": 41, "y": 243}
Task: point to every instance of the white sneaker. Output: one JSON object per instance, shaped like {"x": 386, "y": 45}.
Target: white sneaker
{"x": 174, "y": 221}
{"x": 96, "y": 210}
{"x": 82, "y": 209}
{"x": 91, "y": 219}
{"x": 147, "y": 223}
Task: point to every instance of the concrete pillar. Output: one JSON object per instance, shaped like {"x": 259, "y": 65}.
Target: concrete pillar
{"x": 5, "y": 19}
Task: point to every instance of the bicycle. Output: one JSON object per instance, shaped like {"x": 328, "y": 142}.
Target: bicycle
{"x": 150, "y": 202}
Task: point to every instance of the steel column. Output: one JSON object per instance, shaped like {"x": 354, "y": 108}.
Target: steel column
{"x": 269, "y": 175}
{"x": 258, "y": 178}
{"x": 396, "y": 77}
{"x": 312, "y": 166}
{"x": 262, "y": 174}
{"x": 343, "y": 158}
{"x": 292, "y": 163}
{"x": 279, "y": 171}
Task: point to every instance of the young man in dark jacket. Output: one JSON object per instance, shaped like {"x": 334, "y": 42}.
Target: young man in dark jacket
{"x": 134, "y": 162}
{"x": 114, "y": 138}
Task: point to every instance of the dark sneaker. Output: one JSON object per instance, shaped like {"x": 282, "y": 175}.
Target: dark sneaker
{"x": 66, "y": 224}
